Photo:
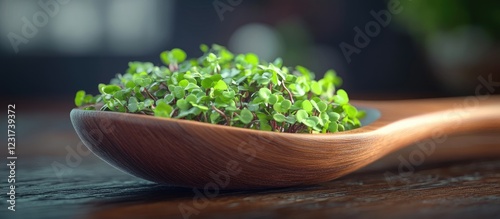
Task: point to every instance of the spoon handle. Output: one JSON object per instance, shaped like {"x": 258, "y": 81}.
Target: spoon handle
{"x": 416, "y": 120}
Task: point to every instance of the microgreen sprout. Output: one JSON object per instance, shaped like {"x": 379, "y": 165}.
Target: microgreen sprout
{"x": 227, "y": 89}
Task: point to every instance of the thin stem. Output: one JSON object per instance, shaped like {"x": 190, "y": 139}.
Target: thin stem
{"x": 150, "y": 95}
{"x": 247, "y": 97}
{"x": 289, "y": 93}
{"x": 173, "y": 67}
{"x": 198, "y": 118}
{"x": 205, "y": 117}
{"x": 173, "y": 113}
{"x": 163, "y": 85}
{"x": 241, "y": 101}
{"x": 221, "y": 113}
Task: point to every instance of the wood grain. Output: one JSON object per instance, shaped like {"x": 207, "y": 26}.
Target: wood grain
{"x": 193, "y": 154}
{"x": 459, "y": 189}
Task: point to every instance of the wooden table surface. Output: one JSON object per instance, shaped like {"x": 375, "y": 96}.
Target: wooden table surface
{"x": 463, "y": 185}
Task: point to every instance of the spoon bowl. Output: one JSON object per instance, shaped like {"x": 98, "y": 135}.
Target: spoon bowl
{"x": 202, "y": 155}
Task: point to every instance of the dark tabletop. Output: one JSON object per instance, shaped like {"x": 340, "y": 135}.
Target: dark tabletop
{"x": 464, "y": 184}
{"x": 95, "y": 190}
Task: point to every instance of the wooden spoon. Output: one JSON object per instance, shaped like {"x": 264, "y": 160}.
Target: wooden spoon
{"x": 195, "y": 154}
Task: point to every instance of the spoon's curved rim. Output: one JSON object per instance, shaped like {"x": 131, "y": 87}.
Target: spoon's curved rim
{"x": 371, "y": 118}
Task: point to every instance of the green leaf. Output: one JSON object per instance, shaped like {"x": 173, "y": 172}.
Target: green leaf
{"x": 231, "y": 106}
{"x": 322, "y": 106}
{"x": 277, "y": 108}
{"x": 291, "y": 119}
{"x": 285, "y": 105}
{"x": 148, "y": 102}
{"x": 179, "y": 92}
{"x": 361, "y": 114}
{"x": 191, "y": 98}
{"x": 316, "y": 88}
{"x": 164, "y": 57}
{"x": 89, "y": 99}
{"x": 274, "y": 78}
{"x": 193, "y": 111}
{"x": 307, "y": 106}
{"x": 79, "y": 97}
{"x": 263, "y": 80}
{"x": 225, "y": 55}
{"x": 340, "y": 128}
{"x": 215, "y": 77}
{"x": 301, "y": 115}
{"x": 169, "y": 98}
{"x": 206, "y": 83}
{"x": 191, "y": 87}
{"x": 334, "y": 117}
{"x": 130, "y": 84}
{"x": 183, "y": 83}
{"x": 297, "y": 105}
{"x": 174, "y": 56}
{"x": 262, "y": 116}
{"x": 341, "y": 98}
{"x": 264, "y": 126}
{"x": 333, "y": 127}
{"x": 331, "y": 76}
{"x": 324, "y": 119}
{"x": 315, "y": 105}
{"x": 278, "y": 117}
{"x": 203, "y": 47}
{"x": 315, "y": 119}
{"x": 351, "y": 111}
{"x": 214, "y": 117}
{"x": 278, "y": 62}
{"x": 163, "y": 109}
{"x": 253, "y": 107}
{"x": 220, "y": 85}
{"x": 252, "y": 59}
{"x": 201, "y": 107}
{"x": 132, "y": 104}
{"x": 228, "y": 95}
{"x": 264, "y": 93}
{"x": 211, "y": 58}
{"x": 178, "y": 54}
{"x": 272, "y": 99}
{"x": 246, "y": 116}
{"x": 304, "y": 71}
{"x": 297, "y": 89}
{"x": 183, "y": 104}
{"x": 110, "y": 89}
{"x": 309, "y": 122}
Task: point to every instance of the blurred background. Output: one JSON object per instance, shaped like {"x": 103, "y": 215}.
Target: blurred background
{"x": 51, "y": 49}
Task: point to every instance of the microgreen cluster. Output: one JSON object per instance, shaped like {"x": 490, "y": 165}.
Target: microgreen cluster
{"x": 227, "y": 89}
